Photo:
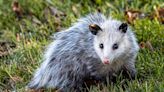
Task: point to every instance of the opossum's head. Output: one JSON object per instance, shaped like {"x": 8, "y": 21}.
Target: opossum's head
{"x": 110, "y": 40}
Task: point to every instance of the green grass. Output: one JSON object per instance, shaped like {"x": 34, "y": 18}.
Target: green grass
{"x": 17, "y": 67}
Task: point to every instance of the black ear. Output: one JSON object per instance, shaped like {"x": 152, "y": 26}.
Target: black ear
{"x": 94, "y": 28}
{"x": 123, "y": 27}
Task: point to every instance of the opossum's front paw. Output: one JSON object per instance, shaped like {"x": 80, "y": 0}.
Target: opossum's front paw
{"x": 129, "y": 74}
{"x": 133, "y": 75}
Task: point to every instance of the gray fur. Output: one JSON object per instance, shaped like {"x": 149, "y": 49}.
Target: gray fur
{"x": 72, "y": 57}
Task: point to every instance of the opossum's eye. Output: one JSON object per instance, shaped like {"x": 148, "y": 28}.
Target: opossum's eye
{"x": 115, "y": 46}
{"x": 94, "y": 28}
{"x": 101, "y": 46}
{"x": 123, "y": 27}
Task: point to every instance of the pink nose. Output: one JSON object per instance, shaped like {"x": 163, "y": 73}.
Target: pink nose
{"x": 106, "y": 61}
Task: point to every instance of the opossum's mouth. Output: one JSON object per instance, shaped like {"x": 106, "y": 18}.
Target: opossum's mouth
{"x": 106, "y": 61}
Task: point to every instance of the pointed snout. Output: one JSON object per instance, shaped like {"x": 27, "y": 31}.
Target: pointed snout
{"x": 105, "y": 61}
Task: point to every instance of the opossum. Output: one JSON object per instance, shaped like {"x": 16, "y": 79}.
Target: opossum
{"x": 94, "y": 47}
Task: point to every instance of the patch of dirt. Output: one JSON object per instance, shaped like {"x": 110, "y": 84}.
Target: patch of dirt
{"x": 56, "y": 15}
{"x": 6, "y": 47}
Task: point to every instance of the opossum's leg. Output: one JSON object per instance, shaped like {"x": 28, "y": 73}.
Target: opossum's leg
{"x": 71, "y": 82}
{"x": 129, "y": 70}
{"x": 72, "y": 87}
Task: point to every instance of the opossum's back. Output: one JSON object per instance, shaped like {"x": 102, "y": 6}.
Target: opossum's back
{"x": 75, "y": 40}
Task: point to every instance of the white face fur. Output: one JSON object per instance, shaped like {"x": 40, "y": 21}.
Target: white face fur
{"x": 110, "y": 42}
